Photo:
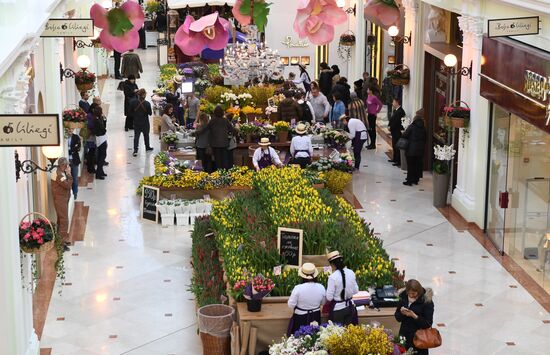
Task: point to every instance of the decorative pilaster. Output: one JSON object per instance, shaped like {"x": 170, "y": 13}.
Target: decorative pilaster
{"x": 413, "y": 57}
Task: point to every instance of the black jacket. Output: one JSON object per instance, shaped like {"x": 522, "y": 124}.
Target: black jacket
{"x": 344, "y": 90}
{"x": 129, "y": 94}
{"x": 74, "y": 150}
{"x": 325, "y": 81}
{"x": 140, "y": 111}
{"x": 424, "y": 309}
{"x": 416, "y": 134}
{"x": 99, "y": 127}
{"x": 219, "y": 128}
{"x": 395, "y": 120}
{"x": 289, "y": 109}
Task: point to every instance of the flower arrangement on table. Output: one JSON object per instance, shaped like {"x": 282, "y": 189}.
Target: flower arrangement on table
{"x": 443, "y": 154}
{"x": 250, "y": 110}
{"x": 201, "y": 85}
{"x": 335, "y": 138}
{"x": 331, "y": 338}
{"x": 170, "y": 138}
{"x": 235, "y": 111}
{"x": 281, "y": 126}
{"x": 253, "y": 288}
{"x": 270, "y": 110}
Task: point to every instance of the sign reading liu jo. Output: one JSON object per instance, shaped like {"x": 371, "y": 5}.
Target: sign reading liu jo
{"x": 29, "y": 130}
{"x": 69, "y": 27}
{"x": 520, "y": 26}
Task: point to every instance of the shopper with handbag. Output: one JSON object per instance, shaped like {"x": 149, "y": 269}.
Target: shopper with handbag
{"x": 415, "y": 134}
{"x": 415, "y": 313}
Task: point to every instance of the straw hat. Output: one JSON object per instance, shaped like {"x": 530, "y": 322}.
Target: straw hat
{"x": 333, "y": 255}
{"x": 302, "y": 66}
{"x": 264, "y": 142}
{"x": 301, "y": 128}
{"x": 308, "y": 271}
{"x": 177, "y": 79}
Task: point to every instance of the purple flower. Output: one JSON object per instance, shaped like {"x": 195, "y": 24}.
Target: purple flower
{"x": 306, "y": 330}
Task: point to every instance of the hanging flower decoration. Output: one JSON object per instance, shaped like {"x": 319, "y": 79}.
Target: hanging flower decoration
{"x": 384, "y": 13}
{"x": 209, "y": 31}
{"x": 241, "y": 12}
{"x": 119, "y": 26}
{"x": 316, "y": 20}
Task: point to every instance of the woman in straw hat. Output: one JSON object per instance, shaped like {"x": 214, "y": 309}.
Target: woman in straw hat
{"x": 306, "y": 299}
{"x": 265, "y": 156}
{"x": 341, "y": 287}
{"x": 300, "y": 147}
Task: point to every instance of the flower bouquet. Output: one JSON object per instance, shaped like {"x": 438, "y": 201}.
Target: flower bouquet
{"x": 457, "y": 116}
{"x": 248, "y": 131}
{"x": 84, "y": 80}
{"x": 282, "y": 128}
{"x": 170, "y": 138}
{"x": 36, "y": 235}
{"x": 74, "y": 118}
{"x": 335, "y": 138}
{"x": 255, "y": 290}
{"x": 443, "y": 154}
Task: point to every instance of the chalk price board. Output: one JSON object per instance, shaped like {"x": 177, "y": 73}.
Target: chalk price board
{"x": 289, "y": 242}
{"x": 149, "y": 200}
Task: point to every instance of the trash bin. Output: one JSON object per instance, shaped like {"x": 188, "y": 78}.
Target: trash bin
{"x": 215, "y": 323}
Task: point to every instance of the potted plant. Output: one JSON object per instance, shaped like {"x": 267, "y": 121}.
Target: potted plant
{"x": 170, "y": 139}
{"x": 443, "y": 155}
{"x": 247, "y": 131}
{"x": 255, "y": 290}
{"x": 400, "y": 75}
{"x": 282, "y": 128}
{"x": 347, "y": 39}
{"x": 457, "y": 116}
{"x": 74, "y": 118}
{"x": 84, "y": 80}
{"x": 36, "y": 235}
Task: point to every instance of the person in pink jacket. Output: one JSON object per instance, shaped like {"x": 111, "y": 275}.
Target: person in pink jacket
{"x": 374, "y": 105}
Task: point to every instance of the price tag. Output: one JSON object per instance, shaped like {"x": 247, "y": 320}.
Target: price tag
{"x": 277, "y": 270}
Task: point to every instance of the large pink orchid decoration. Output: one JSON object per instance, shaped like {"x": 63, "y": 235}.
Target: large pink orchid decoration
{"x": 384, "y": 13}
{"x": 119, "y": 26}
{"x": 244, "y": 20}
{"x": 316, "y": 20}
{"x": 209, "y": 31}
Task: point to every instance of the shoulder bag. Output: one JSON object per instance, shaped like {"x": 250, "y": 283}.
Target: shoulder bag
{"x": 402, "y": 143}
{"x": 232, "y": 142}
{"x": 427, "y": 338}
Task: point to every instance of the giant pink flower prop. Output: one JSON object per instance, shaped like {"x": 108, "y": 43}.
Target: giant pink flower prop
{"x": 384, "y": 13}
{"x": 316, "y": 20}
{"x": 119, "y": 26}
{"x": 236, "y": 11}
{"x": 209, "y": 31}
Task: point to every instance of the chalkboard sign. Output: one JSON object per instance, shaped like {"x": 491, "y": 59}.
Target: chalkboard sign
{"x": 149, "y": 199}
{"x": 289, "y": 242}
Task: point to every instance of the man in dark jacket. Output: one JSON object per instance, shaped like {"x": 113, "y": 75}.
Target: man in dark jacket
{"x": 219, "y": 129}
{"x": 396, "y": 127}
{"x": 416, "y": 135}
{"x": 141, "y": 110}
{"x": 325, "y": 79}
{"x": 130, "y": 90}
{"x": 289, "y": 109}
{"x": 131, "y": 64}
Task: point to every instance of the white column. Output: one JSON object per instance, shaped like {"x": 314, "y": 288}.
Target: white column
{"x": 360, "y": 27}
{"x": 413, "y": 57}
{"x": 469, "y": 195}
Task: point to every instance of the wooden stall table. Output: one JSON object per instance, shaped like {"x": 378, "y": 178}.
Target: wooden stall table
{"x": 183, "y": 155}
{"x": 272, "y": 322}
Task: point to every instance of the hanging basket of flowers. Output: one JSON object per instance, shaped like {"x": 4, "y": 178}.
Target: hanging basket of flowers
{"x": 400, "y": 75}
{"x": 456, "y": 115}
{"x": 84, "y": 80}
{"x": 74, "y": 118}
{"x": 347, "y": 39}
{"x": 36, "y": 235}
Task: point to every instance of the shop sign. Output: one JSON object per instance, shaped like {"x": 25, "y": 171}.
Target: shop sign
{"x": 299, "y": 43}
{"x": 520, "y": 26}
{"x": 536, "y": 85}
{"x": 289, "y": 242}
{"x": 69, "y": 27}
{"x": 29, "y": 130}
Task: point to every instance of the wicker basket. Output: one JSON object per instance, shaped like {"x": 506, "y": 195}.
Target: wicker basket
{"x": 456, "y": 122}
{"x": 347, "y": 39}
{"x": 215, "y": 323}
{"x": 402, "y": 75}
{"x": 46, "y": 246}
{"x": 73, "y": 125}
{"x": 85, "y": 86}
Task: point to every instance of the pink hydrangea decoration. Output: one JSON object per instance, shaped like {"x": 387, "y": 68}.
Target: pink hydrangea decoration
{"x": 242, "y": 19}
{"x": 209, "y": 31}
{"x": 316, "y": 20}
{"x": 384, "y": 13}
{"x": 119, "y": 26}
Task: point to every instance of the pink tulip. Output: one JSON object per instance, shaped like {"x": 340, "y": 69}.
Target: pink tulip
{"x": 209, "y": 31}
{"x": 130, "y": 38}
{"x": 382, "y": 13}
{"x": 316, "y": 20}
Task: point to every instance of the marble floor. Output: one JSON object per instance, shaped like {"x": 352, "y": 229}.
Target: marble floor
{"x": 127, "y": 291}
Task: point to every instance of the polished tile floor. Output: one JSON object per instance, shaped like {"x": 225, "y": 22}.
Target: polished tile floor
{"x": 128, "y": 292}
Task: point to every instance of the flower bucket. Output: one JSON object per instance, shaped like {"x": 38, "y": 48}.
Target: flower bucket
{"x": 73, "y": 125}
{"x": 254, "y": 305}
{"x": 44, "y": 247}
{"x": 283, "y": 136}
{"x": 440, "y": 189}
{"x": 85, "y": 86}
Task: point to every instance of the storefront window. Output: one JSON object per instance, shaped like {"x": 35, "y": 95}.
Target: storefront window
{"x": 520, "y": 166}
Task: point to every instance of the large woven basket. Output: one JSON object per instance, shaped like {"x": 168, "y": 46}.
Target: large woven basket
{"x": 404, "y": 75}
{"x": 84, "y": 86}
{"x": 44, "y": 247}
{"x": 456, "y": 122}
{"x": 73, "y": 125}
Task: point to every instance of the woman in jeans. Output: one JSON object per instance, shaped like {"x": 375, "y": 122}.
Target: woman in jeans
{"x": 219, "y": 129}
{"x": 202, "y": 142}
{"x": 374, "y": 105}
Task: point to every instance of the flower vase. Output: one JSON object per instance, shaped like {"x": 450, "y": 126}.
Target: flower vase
{"x": 254, "y": 305}
{"x": 248, "y": 138}
{"x": 283, "y": 136}
{"x": 440, "y": 189}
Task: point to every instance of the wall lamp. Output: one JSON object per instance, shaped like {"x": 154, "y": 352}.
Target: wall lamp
{"x": 52, "y": 153}
{"x": 450, "y": 61}
{"x": 350, "y": 10}
{"x": 83, "y": 62}
{"x": 393, "y": 31}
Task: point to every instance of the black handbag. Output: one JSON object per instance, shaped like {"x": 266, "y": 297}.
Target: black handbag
{"x": 402, "y": 143}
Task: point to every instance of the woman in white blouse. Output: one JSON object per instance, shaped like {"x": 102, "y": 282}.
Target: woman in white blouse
{"x": 265, "y": 156}
{"x": 341, "y": 287}
{"x": 300, "y": 147}
{"x": 306, "y": 299}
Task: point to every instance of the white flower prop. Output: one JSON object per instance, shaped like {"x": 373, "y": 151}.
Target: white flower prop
{"x": 406, "y": 122}
{"x": 444, "y": 152}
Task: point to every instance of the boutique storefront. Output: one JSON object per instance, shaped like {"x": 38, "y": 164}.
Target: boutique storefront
{"x": 515, "y": 80}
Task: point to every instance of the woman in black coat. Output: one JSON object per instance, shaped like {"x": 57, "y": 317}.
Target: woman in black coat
{"x": 416, "y": 135}
{"x": 219, "y": 129}
{"x": 130, "y": 90}
{"x": 415, "y": 311}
